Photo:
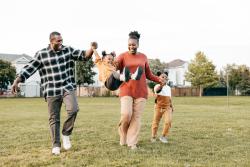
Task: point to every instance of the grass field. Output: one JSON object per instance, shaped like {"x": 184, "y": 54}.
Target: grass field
{"x": 204, "y": 133}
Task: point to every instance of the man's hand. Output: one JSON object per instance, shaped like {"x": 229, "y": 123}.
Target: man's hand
{"x": 14, "y": 87}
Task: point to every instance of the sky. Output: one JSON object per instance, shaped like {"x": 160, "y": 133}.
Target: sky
{"x": 170, "y": 29}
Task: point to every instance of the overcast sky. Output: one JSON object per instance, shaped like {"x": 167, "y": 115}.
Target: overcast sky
{"x": 170, "y": 29}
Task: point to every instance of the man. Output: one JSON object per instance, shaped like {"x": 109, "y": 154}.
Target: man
{"x": 56, "y": 68}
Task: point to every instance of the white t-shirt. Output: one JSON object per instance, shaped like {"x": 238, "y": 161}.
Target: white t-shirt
{"x": 166, "y": 90}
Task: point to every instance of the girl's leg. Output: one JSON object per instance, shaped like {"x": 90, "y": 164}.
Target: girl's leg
{"x": 156, "y": 120}
{"x": 167, "y": 121}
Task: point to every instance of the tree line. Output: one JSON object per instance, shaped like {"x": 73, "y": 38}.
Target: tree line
{"x": 201, "y": 73}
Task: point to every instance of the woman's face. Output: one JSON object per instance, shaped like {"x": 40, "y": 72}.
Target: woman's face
{"x": 108, "y": 59}
{"x": 132, "y": 46}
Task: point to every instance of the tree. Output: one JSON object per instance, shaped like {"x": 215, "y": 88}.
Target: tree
{"x": 201, "y": 72}
{"x": 244, "y": 85}
{"x": 222, "y": 80}
{"x": 155, "y": 65}
{"x": 84, "y": 72}
{"x": 238, "y": 78}
{"x": 7, "y": 74}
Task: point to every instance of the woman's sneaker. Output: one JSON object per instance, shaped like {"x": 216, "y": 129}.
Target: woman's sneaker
{"x": 137, "y": 74}
{"x": 163, "y": 139}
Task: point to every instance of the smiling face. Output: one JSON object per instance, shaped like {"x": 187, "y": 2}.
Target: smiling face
{"x": 108, "y": 59}
{"x": 132, "y": 45}
{"x": 164, "y": 77}
{"x": 56, "y": 42}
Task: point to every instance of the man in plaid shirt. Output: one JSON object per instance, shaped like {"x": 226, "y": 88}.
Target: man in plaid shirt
{"x": 56, "y": 68}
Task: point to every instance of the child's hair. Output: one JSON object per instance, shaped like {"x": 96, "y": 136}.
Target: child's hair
{"x": 104, "y": 53}
{"x": 158, "y": 73}
{"x": 134, "y": 35}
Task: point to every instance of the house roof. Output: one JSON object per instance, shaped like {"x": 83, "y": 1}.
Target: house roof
{"x": 175, "y": 63}
{"x": 13, "y": 57}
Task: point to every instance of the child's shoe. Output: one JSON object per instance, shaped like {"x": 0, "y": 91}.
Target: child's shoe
{"x": 125, "y": 76}
{"x": 163, "y": 139}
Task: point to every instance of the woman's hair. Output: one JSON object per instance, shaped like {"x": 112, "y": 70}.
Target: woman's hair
{"x": 104, "y": 53}
{"x": 134, "y": 35}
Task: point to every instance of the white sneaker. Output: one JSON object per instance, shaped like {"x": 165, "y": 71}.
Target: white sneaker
{"x": 66, "y": 142}
{"x": 125, "y": 75}
{"x": 163, "y": 139}
{"x": 56, "y": 150}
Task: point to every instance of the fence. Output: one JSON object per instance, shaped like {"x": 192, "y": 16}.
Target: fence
{"x": 95, "y": 91}
{"x": 190, "y": 91}
{"x": 102, "y": 91}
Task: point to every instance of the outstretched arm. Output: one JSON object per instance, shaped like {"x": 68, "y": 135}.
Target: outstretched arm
{"x": 97, "y": 57}
{"x": 151, "y": 76}
{"x": 171, "y": 105}
{"x": 26, "y": 72}
{"x": 90, "y": 51}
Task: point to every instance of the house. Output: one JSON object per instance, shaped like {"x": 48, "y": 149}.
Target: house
{"x": 176, "y": 73}
{"x": 31, "y": 87}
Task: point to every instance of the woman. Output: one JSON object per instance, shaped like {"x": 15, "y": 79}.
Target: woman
{"x": 133, "y": 94}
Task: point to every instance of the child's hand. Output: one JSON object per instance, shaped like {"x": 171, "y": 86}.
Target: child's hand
{"x": 94, "y": 45}
{"x": 113, "y": 54}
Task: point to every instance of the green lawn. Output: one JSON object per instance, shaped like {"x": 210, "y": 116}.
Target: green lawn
{"x": 204, "y": 133}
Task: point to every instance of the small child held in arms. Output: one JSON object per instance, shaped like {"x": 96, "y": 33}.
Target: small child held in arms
{"x": 108, "y": 73}
{"x": 163, "y": 108}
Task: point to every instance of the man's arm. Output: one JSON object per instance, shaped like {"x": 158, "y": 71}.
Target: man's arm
{"x": 26, "y": 72}
{"x": 82, "y": 55}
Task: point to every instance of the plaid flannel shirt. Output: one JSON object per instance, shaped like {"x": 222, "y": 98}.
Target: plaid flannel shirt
{"x": 56, "y": 69}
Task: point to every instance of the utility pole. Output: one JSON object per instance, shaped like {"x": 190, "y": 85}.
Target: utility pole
{"x": 227, "y": 93}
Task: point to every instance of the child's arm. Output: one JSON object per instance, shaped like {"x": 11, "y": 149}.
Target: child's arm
{"x": 158, "y": 87}
{"x": 97, "y": 57}
{"x": 171, "y": 105}
{"x": 96, "y": 54}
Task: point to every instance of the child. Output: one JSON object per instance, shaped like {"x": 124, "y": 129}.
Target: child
{"x": 163, "y": 108}
{"x": 111, "y": 78}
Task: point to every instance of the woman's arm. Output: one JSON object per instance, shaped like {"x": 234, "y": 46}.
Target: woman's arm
{"x": 150, "y": 75}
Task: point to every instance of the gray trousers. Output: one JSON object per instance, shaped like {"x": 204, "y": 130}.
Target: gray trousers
{"x": 54, "y": 108}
